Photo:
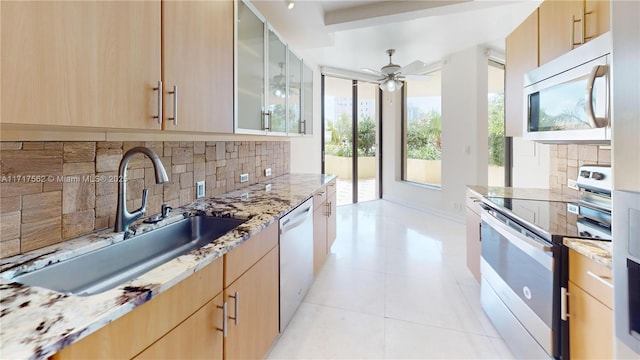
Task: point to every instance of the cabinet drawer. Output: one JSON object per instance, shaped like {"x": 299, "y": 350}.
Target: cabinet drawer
{"x": 240, "y": 259}
{"x": 594, "y": 278}
{"x": 319, "y": 198}
{"x": 331, "y": 187}
{"x": 473, "y": 202}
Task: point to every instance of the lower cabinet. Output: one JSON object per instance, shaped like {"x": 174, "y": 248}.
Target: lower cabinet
{"x": 324, "y": 223}
{"x": 253, "y": 310}
{"x": 590, "y": 308}
{"x": 319, "y": 238}
{"x": 331, "y": 217}
{"x": 473, "y": 235}
{"x": 252, "y": 294}
{"x": 198, "y": 337}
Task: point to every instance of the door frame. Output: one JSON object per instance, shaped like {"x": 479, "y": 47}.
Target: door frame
{"x": 354, "y": 136}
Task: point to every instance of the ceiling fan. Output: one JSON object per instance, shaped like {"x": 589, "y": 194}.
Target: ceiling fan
{"x": 392, "y": 74}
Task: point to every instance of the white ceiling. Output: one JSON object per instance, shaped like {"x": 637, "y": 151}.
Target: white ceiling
{"x": 355, "y": 34}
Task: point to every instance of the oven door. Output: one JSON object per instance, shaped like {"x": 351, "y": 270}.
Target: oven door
{"x": 518, "y": 270}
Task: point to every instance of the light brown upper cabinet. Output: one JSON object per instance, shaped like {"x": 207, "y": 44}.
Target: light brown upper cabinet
{"x": 269, "y": 79}
{"x": 598, "y": 18}
{"x": 566, "y": 24}
{"x": 197, "y": 61}
{"x": 80, "y": 63}
{"x": 521, "y": 56}
{"x": 98, "y": 64}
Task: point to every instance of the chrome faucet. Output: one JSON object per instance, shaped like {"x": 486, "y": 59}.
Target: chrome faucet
{"x": 123, "y": 217}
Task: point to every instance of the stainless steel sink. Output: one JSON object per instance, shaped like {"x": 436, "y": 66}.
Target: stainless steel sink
{"x": 105, "y": 268}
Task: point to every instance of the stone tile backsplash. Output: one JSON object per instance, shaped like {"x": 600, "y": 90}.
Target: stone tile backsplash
{"x": 54, "y": 191}
{"x": 566, "y": 159}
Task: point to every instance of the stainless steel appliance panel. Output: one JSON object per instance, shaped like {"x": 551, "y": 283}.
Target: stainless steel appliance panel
{"x": 568, "y": 99}
{"x": 518, "y": 268}
{"x": 508, "y": 326}
{"x": 296, "y": 259}
{"x": 528, "y": 277}
{"x": 626, "y": 252}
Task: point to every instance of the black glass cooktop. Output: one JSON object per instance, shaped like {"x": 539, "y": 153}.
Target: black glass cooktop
{"x": 555, "y": 218}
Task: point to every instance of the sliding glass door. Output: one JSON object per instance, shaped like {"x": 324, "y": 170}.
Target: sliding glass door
{"x": 351, "y": 133}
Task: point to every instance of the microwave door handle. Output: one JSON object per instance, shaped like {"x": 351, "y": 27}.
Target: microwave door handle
{"x": 596, "y": 72}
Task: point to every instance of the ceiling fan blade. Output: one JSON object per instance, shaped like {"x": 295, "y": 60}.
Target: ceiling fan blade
{"x": 415, "y": 68}
{"x": 413, "y": 77}
{"x": 371, "y": 71}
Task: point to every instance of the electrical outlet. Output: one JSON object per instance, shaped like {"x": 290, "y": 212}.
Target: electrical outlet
{"x": 199, "y": 189}
{"x": 267, "y": 187}
{"x": 572, "y": 184}
{"x": 244, "y": 178}
{"x": 267, "y": 172}
{"x": 244, "y": 196}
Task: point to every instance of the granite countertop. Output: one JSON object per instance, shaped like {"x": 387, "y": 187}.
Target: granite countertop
{"x": 596, "y": 250}
{"x": 524, "y": 193}
{"x": 36, "y": 323}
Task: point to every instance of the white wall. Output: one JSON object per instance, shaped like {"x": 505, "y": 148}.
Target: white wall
{"x": 305, "y": 150}
{"x": 464, "y": 138}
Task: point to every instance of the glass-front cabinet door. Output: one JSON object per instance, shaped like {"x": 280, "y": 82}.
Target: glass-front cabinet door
{"x": 277, "y": 85}
{"x": 307, "y": 100}
{"x": 295, "y": 87}
{"x": 270, "y": 85}
{"x": 250, "y": 70}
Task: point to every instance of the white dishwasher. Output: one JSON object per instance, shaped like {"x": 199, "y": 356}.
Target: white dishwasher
{"x": 296, "y": 259}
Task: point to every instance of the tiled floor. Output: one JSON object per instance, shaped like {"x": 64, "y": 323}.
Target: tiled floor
{"x": 366, "y": 191}
{"x": 394, "y": 286}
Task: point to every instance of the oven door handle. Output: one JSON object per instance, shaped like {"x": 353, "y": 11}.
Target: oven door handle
{"x": 534, "y": 248}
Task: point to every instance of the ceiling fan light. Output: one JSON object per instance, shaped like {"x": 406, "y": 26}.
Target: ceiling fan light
{"x": 391, "y": 85}
{"x": 290, "y": 4}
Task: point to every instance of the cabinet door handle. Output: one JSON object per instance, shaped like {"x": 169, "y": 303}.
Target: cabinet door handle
{"x": 600, "y": 278}
{"x": 224, "y": 319}
{"x": 236, "y": 298}
{"x": 584, "y": 27}
{"x": 159, "y": 89}
{"x": 564, "y": 314}
{"x": 573, "y": 30}
{"x": 175, "y": 105}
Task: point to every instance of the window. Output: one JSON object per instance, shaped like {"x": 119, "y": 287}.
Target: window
{"x": 422, "y": 129}
{"x": 350, "y": 145}
{"x": 496, "y": 125}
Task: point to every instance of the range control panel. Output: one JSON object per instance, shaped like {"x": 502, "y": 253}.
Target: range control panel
{"x": 595, "y": 177}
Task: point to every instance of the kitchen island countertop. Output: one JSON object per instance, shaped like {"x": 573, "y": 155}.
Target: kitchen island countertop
{"x": 36, "y": 323}
{"x": 596, "y": 250}
{"x": 524, "y": 193}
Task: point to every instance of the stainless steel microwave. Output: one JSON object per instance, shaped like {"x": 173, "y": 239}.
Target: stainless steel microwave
{"x": 567, "y": 100}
